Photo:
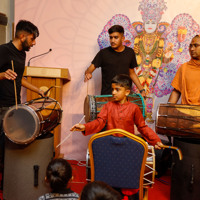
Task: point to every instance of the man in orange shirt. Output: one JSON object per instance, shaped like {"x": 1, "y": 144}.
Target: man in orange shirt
{"x": 186, "y": 82}
{"x": 185, "y": 182}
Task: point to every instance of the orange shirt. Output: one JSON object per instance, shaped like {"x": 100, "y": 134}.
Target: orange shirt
{"x": 187, "y": 82}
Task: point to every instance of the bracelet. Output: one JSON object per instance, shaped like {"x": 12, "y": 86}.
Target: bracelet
{"x": 142, "y": 90}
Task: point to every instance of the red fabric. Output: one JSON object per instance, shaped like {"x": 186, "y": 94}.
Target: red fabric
{"x": 125, "y": 198}
{"x": 122, "y": 116}
{"x": 129, "y": 192}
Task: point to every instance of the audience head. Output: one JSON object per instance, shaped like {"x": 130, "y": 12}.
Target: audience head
{"x": 58, "y": 174}
{"x": 99, "y": 190}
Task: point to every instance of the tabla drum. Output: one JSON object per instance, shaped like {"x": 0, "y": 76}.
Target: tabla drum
{"x": 149, "y": 173}
{"x": 32, "y": 119}
{"x": 94, "y": 104}
{"x": 178, "y": 120}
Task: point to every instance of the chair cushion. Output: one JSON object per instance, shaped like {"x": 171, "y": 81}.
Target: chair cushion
{"x": 118, "y": 161}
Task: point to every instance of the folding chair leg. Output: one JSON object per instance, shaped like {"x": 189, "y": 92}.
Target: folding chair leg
{"x": 145, "y": 195}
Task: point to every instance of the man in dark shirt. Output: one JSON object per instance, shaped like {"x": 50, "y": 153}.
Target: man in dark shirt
{"x": 12, "y": 55}
{"x": 113, "y": 60}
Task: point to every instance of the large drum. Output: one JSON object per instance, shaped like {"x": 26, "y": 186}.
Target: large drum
{"x": 178, "y": 120}
{"x": 94, "y": 104}
{"x": 36, "y": 117}
{"x": 149, "y": 173}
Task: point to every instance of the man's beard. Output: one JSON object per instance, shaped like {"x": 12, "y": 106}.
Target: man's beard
{"x": 25, "y": 46}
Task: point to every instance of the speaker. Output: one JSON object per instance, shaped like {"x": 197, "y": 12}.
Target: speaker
{"x": 185, "y": 179}
{"x": 25, "y": 168}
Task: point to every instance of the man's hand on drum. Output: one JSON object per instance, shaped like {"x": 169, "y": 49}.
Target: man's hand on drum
{"x": 78, "y": 127}
{"x": 8, "y": 74}
{"x": 158, "y": 145}
{"x": 143, "y": 94}
{"x": 41, "y": 93}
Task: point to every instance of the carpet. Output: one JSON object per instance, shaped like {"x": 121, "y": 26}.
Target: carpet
{"x": 160, "y": 189}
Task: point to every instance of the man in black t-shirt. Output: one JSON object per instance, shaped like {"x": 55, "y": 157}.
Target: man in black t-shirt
{"x": 113, "y": 60}
{"x": 14, "y": 52}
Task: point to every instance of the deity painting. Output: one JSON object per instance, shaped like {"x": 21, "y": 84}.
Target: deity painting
{"x": 149, "y": 48}
{"x": 160, "y": 47}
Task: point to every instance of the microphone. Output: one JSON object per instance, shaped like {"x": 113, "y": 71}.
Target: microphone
{"x": 38, "y": 56}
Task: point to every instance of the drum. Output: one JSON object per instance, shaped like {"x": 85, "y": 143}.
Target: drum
{"x": 185, "y": 179}
{"x": 149, "y": 173}
{"x": 32, "y": 119}
{"x": 94, "y": 104}
{"x": 178, "y": 120}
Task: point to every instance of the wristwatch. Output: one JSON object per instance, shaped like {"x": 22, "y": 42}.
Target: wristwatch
{"x": 142, "y": 90}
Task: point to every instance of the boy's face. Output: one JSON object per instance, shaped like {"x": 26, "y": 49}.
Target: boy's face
{"x": 119, "y": 93}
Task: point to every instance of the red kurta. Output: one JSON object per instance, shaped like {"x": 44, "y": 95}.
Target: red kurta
{"x": 122, "y": 116}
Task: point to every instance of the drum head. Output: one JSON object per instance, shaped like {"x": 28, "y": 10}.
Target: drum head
{"x": 21, "y": 125}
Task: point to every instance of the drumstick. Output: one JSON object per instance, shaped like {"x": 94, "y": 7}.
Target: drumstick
{"x": 69, "y": 134}
{"x": 175, "y": 148}
{"x": 14, "y": 85}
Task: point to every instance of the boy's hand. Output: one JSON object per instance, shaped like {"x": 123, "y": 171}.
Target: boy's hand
{"x": 158, "y": 145}
{"x": 78, "y": 127}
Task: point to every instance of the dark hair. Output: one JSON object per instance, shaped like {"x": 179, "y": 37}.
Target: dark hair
{"x": 26, "y": 26}
{"x": 99, "y": 190}
{"x": 116, "y": 28}
{"x": 123, "y": 80}
{"x": 58, "y": 173}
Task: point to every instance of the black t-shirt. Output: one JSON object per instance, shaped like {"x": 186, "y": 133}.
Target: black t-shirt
{"x": 9, "y": 52}
{"x": 113, "y": 63}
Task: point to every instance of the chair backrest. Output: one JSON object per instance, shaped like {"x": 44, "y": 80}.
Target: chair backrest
{"x": 118, "y": 161}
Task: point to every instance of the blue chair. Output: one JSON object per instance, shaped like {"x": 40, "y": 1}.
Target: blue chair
{"x": 118, "y": 161}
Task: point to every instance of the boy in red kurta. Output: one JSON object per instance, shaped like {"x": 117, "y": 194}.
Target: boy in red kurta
{"x": 121, "y": 114}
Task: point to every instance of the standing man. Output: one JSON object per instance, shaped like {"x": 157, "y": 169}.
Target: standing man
{"x": 186, "y": 83}
{"x": 14, "y": 51}
{"x": 113, "y": 60}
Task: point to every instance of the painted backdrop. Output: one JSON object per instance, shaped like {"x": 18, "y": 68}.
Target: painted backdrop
{"x": 75, "y": 30}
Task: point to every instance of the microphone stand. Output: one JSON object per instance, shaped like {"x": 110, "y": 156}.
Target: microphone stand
{"x": 38, "y": 56}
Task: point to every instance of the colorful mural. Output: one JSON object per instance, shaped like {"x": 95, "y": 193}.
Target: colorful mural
{"x": 160, "y": 47}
